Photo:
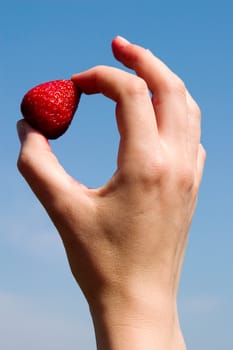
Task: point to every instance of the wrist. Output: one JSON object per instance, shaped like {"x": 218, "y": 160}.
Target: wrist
{"x": 139, "y": 323}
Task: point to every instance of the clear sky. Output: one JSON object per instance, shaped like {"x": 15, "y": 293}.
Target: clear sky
{"x": 40, "y": 305}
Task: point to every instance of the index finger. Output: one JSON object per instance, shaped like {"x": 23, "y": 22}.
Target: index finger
{"x": 135, "y": 114}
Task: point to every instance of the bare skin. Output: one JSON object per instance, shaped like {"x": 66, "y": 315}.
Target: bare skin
{"x": 126, "y": 241}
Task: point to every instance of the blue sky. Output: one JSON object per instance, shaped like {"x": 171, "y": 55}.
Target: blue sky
{"x": 40, "y": 305}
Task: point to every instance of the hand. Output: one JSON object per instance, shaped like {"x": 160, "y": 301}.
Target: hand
{"x": 126, "y": 241}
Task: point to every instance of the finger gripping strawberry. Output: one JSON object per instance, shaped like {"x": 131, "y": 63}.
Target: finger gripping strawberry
{"x": 50, "y": 107}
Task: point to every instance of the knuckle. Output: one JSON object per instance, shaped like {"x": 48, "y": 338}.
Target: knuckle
{"x": 98, "y": 71}
{"x": 179, "y": 85}
{"x": 136, "y": 86}
{"x": 146, "y": 174}
{"x": 25, "y": 163}
{"x": 175, "y": 84}
{"x": 195, "y": 110}
{"x": 22, "y": 162}
{"x": 186, "y": 178}
{"x": 160, "y": 170}
{"x": 203, "y": 153}
{"x": 155, "y": 173}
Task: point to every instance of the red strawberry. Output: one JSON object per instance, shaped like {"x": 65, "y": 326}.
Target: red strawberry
{"x": 50, "y": 107}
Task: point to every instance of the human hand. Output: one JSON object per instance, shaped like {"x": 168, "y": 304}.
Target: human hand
{"x": 126, "y": 241}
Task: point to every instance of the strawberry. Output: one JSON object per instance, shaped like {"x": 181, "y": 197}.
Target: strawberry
{"x": 50, "y": 107}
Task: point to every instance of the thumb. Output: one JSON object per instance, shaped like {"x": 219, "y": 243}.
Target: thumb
{"x": 42, "y": 171}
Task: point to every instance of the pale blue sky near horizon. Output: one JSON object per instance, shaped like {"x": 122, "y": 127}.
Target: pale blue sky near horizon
{"x": 40, "y": 305}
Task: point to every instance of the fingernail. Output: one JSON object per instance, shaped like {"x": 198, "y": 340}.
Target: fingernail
{"x": 122, "y": 40}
